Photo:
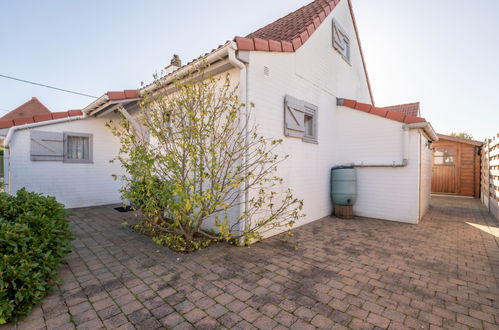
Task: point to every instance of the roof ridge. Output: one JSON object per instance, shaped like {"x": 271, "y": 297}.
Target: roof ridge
{"x": 382, "y": 112}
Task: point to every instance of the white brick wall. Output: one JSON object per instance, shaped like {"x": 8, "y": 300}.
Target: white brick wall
{"x": 317, "y": 74}
{"x": 75, "y": 185}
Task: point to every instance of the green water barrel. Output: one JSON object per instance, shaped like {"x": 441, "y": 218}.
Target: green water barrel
{"x": 343, "y": 185}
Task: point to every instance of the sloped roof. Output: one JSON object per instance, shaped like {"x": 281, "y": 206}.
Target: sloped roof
{"x": 290, "y": 32}
{"x": 459, "y": 140}
{"x": 409, "y": 109}
{"x": 33, "y": 107}
{"x": 382, "y": 112}
{"x": 7, "y": 123}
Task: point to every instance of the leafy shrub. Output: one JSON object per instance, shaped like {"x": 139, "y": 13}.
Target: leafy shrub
{"x": 34, "y": 239}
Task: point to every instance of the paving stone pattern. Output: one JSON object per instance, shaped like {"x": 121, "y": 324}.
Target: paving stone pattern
{"x": 333, "y": 274}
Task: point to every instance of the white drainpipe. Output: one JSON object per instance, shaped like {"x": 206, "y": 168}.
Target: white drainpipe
{"x": 8, "y": 147}
{"x": 243, "y": 96}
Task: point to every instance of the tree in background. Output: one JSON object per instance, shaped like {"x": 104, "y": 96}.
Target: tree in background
{"x": 203, "y": 163}
{"x": 462, "y": 135}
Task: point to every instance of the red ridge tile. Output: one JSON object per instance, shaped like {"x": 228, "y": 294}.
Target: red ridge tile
{"x": 72, "y": 113}
{"x": 40, "y": 118}
{"x": 349, "y": 103}
{"x": 275, "y": 46}
{"x": 261, "y": 44}
{"x": 363, "y": 107}
{"x": 116, "y": 95}
{"x": 413, "y": 120}
{"x": 287, "y": 46}
{"x": 296, "y": 43}
{"x": 58, "y": 115}
{"x": 304, "y": 36}
{"x": 310, "y": 29}
{"x": 245, "y": 43}
{"x": 379, "y": 112}
{"x": 23, "y": 120}
{"x": 394, "y": 115}
{"x": 131, "y": 93}
{"x": 6, "y": 123}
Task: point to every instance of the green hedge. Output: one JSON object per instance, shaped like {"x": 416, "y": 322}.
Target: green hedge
{"x": 34, "y": 239}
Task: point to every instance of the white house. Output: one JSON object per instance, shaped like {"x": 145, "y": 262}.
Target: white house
{"x": 307, "y": 77}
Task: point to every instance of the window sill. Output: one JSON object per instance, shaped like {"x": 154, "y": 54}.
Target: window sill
{"x": 79, "y": 161}
{"x": 310, "y": 140}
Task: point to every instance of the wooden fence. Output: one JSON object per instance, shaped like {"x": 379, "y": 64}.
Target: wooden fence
{"x": 490, "y": 175}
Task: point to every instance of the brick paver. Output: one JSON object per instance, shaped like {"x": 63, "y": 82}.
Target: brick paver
{"x": 333, "y": 273}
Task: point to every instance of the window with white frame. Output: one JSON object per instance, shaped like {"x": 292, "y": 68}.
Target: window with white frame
{"x": 78, "y": 147}
{"x": 341, "y": 42}
{"x": 300, "y": 119}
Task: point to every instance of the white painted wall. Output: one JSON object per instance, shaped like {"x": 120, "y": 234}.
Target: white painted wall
{"x": 383, "y": 192}
{"x": 74, "y": 185}
{"x": 316, "y": 73}
{"x": 426, "y": 171}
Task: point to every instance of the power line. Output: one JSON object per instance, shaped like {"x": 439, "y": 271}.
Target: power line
{"x": 47, "y": 86}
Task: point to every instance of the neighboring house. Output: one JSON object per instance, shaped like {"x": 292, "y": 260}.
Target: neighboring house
{"x": 456, "y": 166}
{"x": 307, "y": 77}
{"x": 30, "y": 108}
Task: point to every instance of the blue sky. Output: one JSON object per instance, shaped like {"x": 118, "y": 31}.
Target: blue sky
{"x": 442, "y": 53}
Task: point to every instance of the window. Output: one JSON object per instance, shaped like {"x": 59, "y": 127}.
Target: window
{"x": 78, "y": 148}
{"x": 444, "y": 156}
{"x": 341, "y": 42}
{"x": 300, "y": 119}
{"x": 309, "y": 126}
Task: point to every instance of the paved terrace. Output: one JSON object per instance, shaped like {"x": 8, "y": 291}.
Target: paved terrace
{"x": 333, "y": 273}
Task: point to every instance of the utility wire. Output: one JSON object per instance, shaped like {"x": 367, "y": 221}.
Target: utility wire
{"x": 56, "y": 88}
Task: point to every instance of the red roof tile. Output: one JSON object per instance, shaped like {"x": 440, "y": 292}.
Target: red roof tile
{"x": 382, "y": 112}
{"x": 294, "y": 28}
{"x": 39, "y": 118}
{"x": 30, "y": 108}
{"x": 409, "y": 109}
{"x": 123, "y": 95}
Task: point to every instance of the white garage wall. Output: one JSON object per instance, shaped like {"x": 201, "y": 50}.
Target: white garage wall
{"x": 74, "y": 185}
{"x": 383, "y": 192}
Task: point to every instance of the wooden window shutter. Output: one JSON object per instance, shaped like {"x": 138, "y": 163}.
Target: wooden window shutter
{"x": 47, "y": 146}
{"x": 339, "y": 39}
{"x": 294, "y": 117}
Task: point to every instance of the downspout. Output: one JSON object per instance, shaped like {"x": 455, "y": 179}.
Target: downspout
{"x": 243, "y": 92}
{"x": 8, "y": 144}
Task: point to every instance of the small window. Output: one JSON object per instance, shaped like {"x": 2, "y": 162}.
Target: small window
{"x": 78, "y": 148}
{"x": 346, "y": 49}
{"x": 300, "y": 119}
{"x": 341, "y": 42}
{"x": 444, "y": 156}
{"x": 309, "y": 125}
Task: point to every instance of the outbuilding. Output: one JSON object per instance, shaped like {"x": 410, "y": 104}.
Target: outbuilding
{"x": 456, "y": 166}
